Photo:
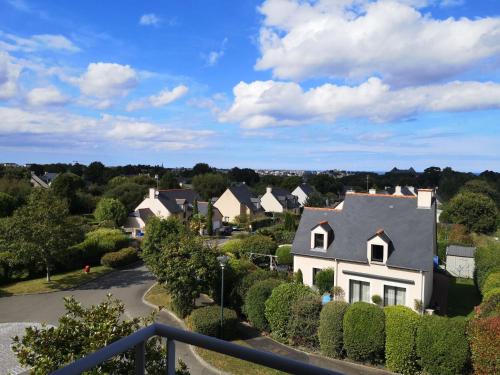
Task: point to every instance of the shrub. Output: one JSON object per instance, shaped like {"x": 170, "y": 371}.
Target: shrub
{"x": 206, "y": 320}
{"x": 331, "y": 331}
{"x": 236, "y": 270}
{"x": 442, "y": 345}
{"x": 110, "y": 209}
{"x": 377, "y": 300}
{"x": 278, "y": 233}
{"x": 258, "y": 244}
{"x": 324, "y": 280}
{"x": 7, "y": 204}
{"x": 364, "y": 335}
{"x": 401, "y": 325}
{"x": 232, "y": 246}
{"x": 487, "y": 259}
{"x": 255, "y": 300}
{"x": 304, "y": 321}
{"x": 284, "y": 254}
{"x": 485, "y": 345}
{"x": 338, "y": 293}
{"x": 120, "y": 258}
{"x": 298, "y": 278}
{"x": 492, "y": 282}
{"x": 490, "y": 305}
{"x": 458, "y": 236}
{"x": 279, "y": 304}
{"x": 261, "y": 223}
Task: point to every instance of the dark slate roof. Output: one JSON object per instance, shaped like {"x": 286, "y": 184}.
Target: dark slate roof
{"x": 203, "y": 208}
{"x": 461, "y": 251}
{"x": 172, "y": 197}
{"x": 244, "y": 195}
{"x": 145, "y": 214}
{"x": 410, "y": 230}
{"x": 286, "y": 199}
{"x": 405, "y": 190}
{"x": 48, "y": 177}
{"x": 306, "y": 188}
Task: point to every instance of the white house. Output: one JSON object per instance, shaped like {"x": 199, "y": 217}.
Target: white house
{"x": 279, "y": 200}
{"x": 302, "y": 192}
{"x": 460, "y": 261}
{"x": 236, "y": 201}
{"x": 377, "y": 244}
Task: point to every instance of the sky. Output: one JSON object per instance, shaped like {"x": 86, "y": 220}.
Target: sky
{"x": 278, "y": 84}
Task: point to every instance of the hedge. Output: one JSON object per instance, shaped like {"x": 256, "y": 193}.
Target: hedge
{"x": 257, "y": 243}
{"x": 331, "y": 330}
{"x": 364, "y": 335}
{"x": 120, "y": 258}
{"x": 492, "y": 283}
{"x": 401, "y": 325}
{"x": 232, "y": 246}
{"x": 206, "y": 320}
{"x": 256, "y": 297}
{"x": 278, "y": 307}
{"x": 487, "y": 259}
{"x": 485, "y": 345}
{"x": 442, "y": 345}
{"x": 261, "y": 223}
{"x": 324, "y": 280}
{"x": 284, "y": 255}
{"x": 304, "y": 321}
{"x": 246, "y": 282}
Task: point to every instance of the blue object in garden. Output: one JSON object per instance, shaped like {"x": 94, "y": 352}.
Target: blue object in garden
{"x": 325, "y": 299}
{"x": 436, "y": 262}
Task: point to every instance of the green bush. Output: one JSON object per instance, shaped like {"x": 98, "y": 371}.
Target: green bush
{"x": 324, "y": 280}
{"x": 284, "y": 255}
{"x": 485, "y": 344}
{"x": 442, "y": 345}
{"x": 487, "y": 259}
{"x": 120, "y": 258}
{"x": 491, "y": 304}
{"x": 236, "y": 270}
{"x": 247, "y": 281}
{"x": 492, "y": 282}
{"x": 401, "y": 325}
{"x": 7, "y": 204}
{"x": 278, "y": 233}
{"x": 377, "y": 300}
{"x": 232, "y": 246}
{"x": 258, "y": 244}
{"x": 110, "y": 209}
{"x": 331, "y": 330}
{"x": 261, "y": 223}
{"x": 279, "y": 304}
{"x": 304, "y": 321}
{"x": 364, "y": 335}
{"x": 255, "y": 300}
{"x": 297, "y": 277}
{"x": 206, "y": 320}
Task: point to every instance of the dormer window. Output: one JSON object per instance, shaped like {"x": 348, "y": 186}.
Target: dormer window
{"x": 319, "y": 240}
{"x": 377, "y": 253}
{"x": 321, "y": 236}
{"x": 378, "y": 247}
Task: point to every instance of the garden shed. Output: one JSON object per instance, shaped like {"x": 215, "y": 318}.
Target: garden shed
{"x": 460, "y": 261}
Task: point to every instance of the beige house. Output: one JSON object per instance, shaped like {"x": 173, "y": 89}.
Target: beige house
{"x": 377, "y": 244}
{"x": 303, "y": 192}
{"x": 236, "y": 201}
{"x": 279, "y": 200}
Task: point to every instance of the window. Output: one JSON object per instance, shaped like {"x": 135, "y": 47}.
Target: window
{"x": 315, "y": 271}
{"x": 319, "y": 240}
{"x": 394, "y": 296}
{"x": 377, "y": 253}
{"x": 359, "y": 291}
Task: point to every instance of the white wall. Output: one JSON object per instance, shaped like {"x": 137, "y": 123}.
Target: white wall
{"x": 460, "y": 266}
{"x": 270, "y": 204}
{"x": 154, "y": 205}
{"x": 299, "y": 193}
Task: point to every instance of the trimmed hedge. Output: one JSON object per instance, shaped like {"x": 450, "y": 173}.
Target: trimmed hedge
{"x": 261, "y": 223}
{"x": 255, "y": 299}
{"x": 442, "y": 345}
{"x": 331, "y": 330}
{"x": 324, "y": 280}
{"x": 304, "y": 321}
{"x": 247, "y": 281}
{"x": 120, "y": 258}
{"x": 485, "y": 345}
{"x": 401, "y": 325}
{"x": 284, "y": 255}
{"x": 491, "y": 283}
{"x": 364, "y": 335}
{"x": 487, "y": 260}
{"x": 278, "y": 307}
{"x": 206, "y": 320}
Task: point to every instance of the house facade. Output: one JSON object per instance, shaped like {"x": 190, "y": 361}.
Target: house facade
{"x": 236, "y": 201}
{"x": 377, "y": 244}
{"x": 279, "y": 200}
{"x": 302, "y": 192}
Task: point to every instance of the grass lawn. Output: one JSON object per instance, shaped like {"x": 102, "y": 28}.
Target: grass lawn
{"x": 462, "y": 297}
{"x": 158, "y": 296}
{"x": 59, "y": 281}
{"x": 233, "y": 365}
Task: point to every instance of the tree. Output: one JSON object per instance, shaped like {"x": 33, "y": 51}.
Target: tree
{"x": 110, "y": 209}
{"x": 66, "y": 186}
{"x": 246, "y": 175}
{"x": 315, "y": 200}
{"x": 95, "y": 172}
{"x": 130, "y": 194}
{"x": 42, "y": 231}
{"x": 324, "y": 280}
{"x": 482, "y": 187}
{"x": 210, "y": 218}
{"x": 209, "y": 185}
{"x": 325, "y": 183}
{"x": 195, "y": 207}
{"x": 168, "y": 181}
{"x": 476, "y": 211}
{"x": 83, "y": 330}
{"x": 7, "y": 204}
{"x": 201, "y": 168}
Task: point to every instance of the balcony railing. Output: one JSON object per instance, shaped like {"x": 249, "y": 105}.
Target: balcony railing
{"x": 137, "y": 340}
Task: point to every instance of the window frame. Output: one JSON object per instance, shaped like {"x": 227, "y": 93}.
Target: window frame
{"x": 379, "y": 247}
{"x": 360, "y": 295}
{"x": 317, "y": 235}
{"x": 395, "y": 300}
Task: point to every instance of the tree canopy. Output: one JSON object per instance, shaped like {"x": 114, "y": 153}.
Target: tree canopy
{"x": 110, "y": 209}
{"x": 210, "y": 185}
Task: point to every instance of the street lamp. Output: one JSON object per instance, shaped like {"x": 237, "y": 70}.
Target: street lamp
{"x": 222, "y": 261}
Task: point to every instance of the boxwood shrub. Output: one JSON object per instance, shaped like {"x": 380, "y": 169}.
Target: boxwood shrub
{"x": 487, "y": 260}
{"x": 364, "y": 335}
{"x": 284, "y": 254}
{"x": 442, "y": 345}
{"x": 324, "y": 280}
{"x": 331, "y": 331}
{"x": 120, "y": 258}
{"x": 401, "y": 325}
{"x": 492, "y": 282}
{"x": 278, "y": 307}
{"x": 247, "y": 281}
{"x": 255, "y": 299}
{"x": 304, "y": 321}
{"x": 206, "y": 320}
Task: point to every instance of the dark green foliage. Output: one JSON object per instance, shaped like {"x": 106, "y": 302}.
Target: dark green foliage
{"x": 261, "y": 222}
{"x": 210, "y": 185}
{"x": 315, "y": 200}
{"x": 7, "y": 204}
{"x": 401, "y": 325}
{"x": 246, "y": 282}
{"x": 206, "y": 320}
{"x": 210, "y": 218}
{"x": 325, "y": 183}
{"x": 255, "y": 299}
{"x": 304, "y": 321}
{"x": 120, "y": 258}
{"x": 364, "y": 335}
{"x": 298, "y": 278}
{"x": 201, "y": 168}
{"x": 324, "y": 280}
{"x": 66, "y": 186}
{"x": 331, "y": 329}
{"x": 289, "y": 222}
{"x": 442, "y": 345}
{"x": 487, "y": 259}
{"x": 168, "y": 181}
{"x": 129, "y": 194}
{"x": 257, "y": 243}
{"x": 246, "y": 175}
{"x": 278, "y": 307}
{"x": 284, "y": 255}
{"x": 17, "y": 189}
{"x": 94, "y": 172}
{"x": 110, "y": 209}
{"x": 481, "y": 187}
{"x": 278, "y": 234}
{"x": 377, "y": 300}
{"x": 491, "y": 283}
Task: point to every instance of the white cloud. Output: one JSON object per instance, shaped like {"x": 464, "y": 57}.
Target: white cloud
{"x": 263, "y": 104}
{"x": 163, "y": 98}
{"x": 9, "y": 74}
{"x": 149, "y": 19}
{"x": 355, "y": 39}
{"x": 55, "y": 42}
{"x": 213, "y": 57}
{"x": 43, "y": 96}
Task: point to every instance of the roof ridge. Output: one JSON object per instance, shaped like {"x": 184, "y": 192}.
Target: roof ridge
{"x": 384, "y": 195}
{"x": 322, "y": 208}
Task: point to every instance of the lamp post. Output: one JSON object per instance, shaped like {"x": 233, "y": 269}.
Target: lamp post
{"x": 222, "y": 261}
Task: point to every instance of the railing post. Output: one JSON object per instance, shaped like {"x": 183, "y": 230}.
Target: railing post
{"x": 140, "y": 354}
{"x": 170, "y": 357}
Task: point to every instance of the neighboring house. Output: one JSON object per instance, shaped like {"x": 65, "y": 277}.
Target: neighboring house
{"x": 377, "y": 244}
{"x": 302, "y": 192}
{"x": 279, "y": 200}
{"x": 408, "y": 191}
{"x": 460, "y": 261}
{"x": 43, "y": 181}
{"x": 236, "y": 201}
{"x": 216, "y": 215}
{"x": 48, "y": 177}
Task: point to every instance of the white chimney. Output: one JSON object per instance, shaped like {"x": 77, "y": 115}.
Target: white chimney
{"x": 269, "y": 189}
{"x": 424, "y": 198}
{"x": 397, "y": 191}
{"x": 152, "y": 193}
{"x": 372, "y": 191}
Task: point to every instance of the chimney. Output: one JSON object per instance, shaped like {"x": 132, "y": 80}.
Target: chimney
{"x": 269, "y": 189}
{"x": 152, "y": 193}
{"x": 372, "y": 191}
{"x": 397, "y": 191}
{"x": 424, "y": 198}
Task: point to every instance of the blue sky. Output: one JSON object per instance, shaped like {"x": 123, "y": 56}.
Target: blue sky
{"x": 348, "y": 84}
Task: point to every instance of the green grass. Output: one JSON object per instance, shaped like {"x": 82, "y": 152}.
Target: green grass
{"x": 462, "y": 297}
{"x": 159, "y": 296}
{"x": 59, "y": 281}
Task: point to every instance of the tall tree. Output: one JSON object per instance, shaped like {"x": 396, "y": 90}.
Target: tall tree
{"x": 210, "y": 185}
{"x": 168, "y": 181}
{"x": 210, "y": 216}
{"x": 111, "y": 209}
{"x": 95, "y": 172}
{"x": 201, "y": 168}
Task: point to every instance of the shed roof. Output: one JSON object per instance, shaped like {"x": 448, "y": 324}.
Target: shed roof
{"x": 461, "y": 251}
